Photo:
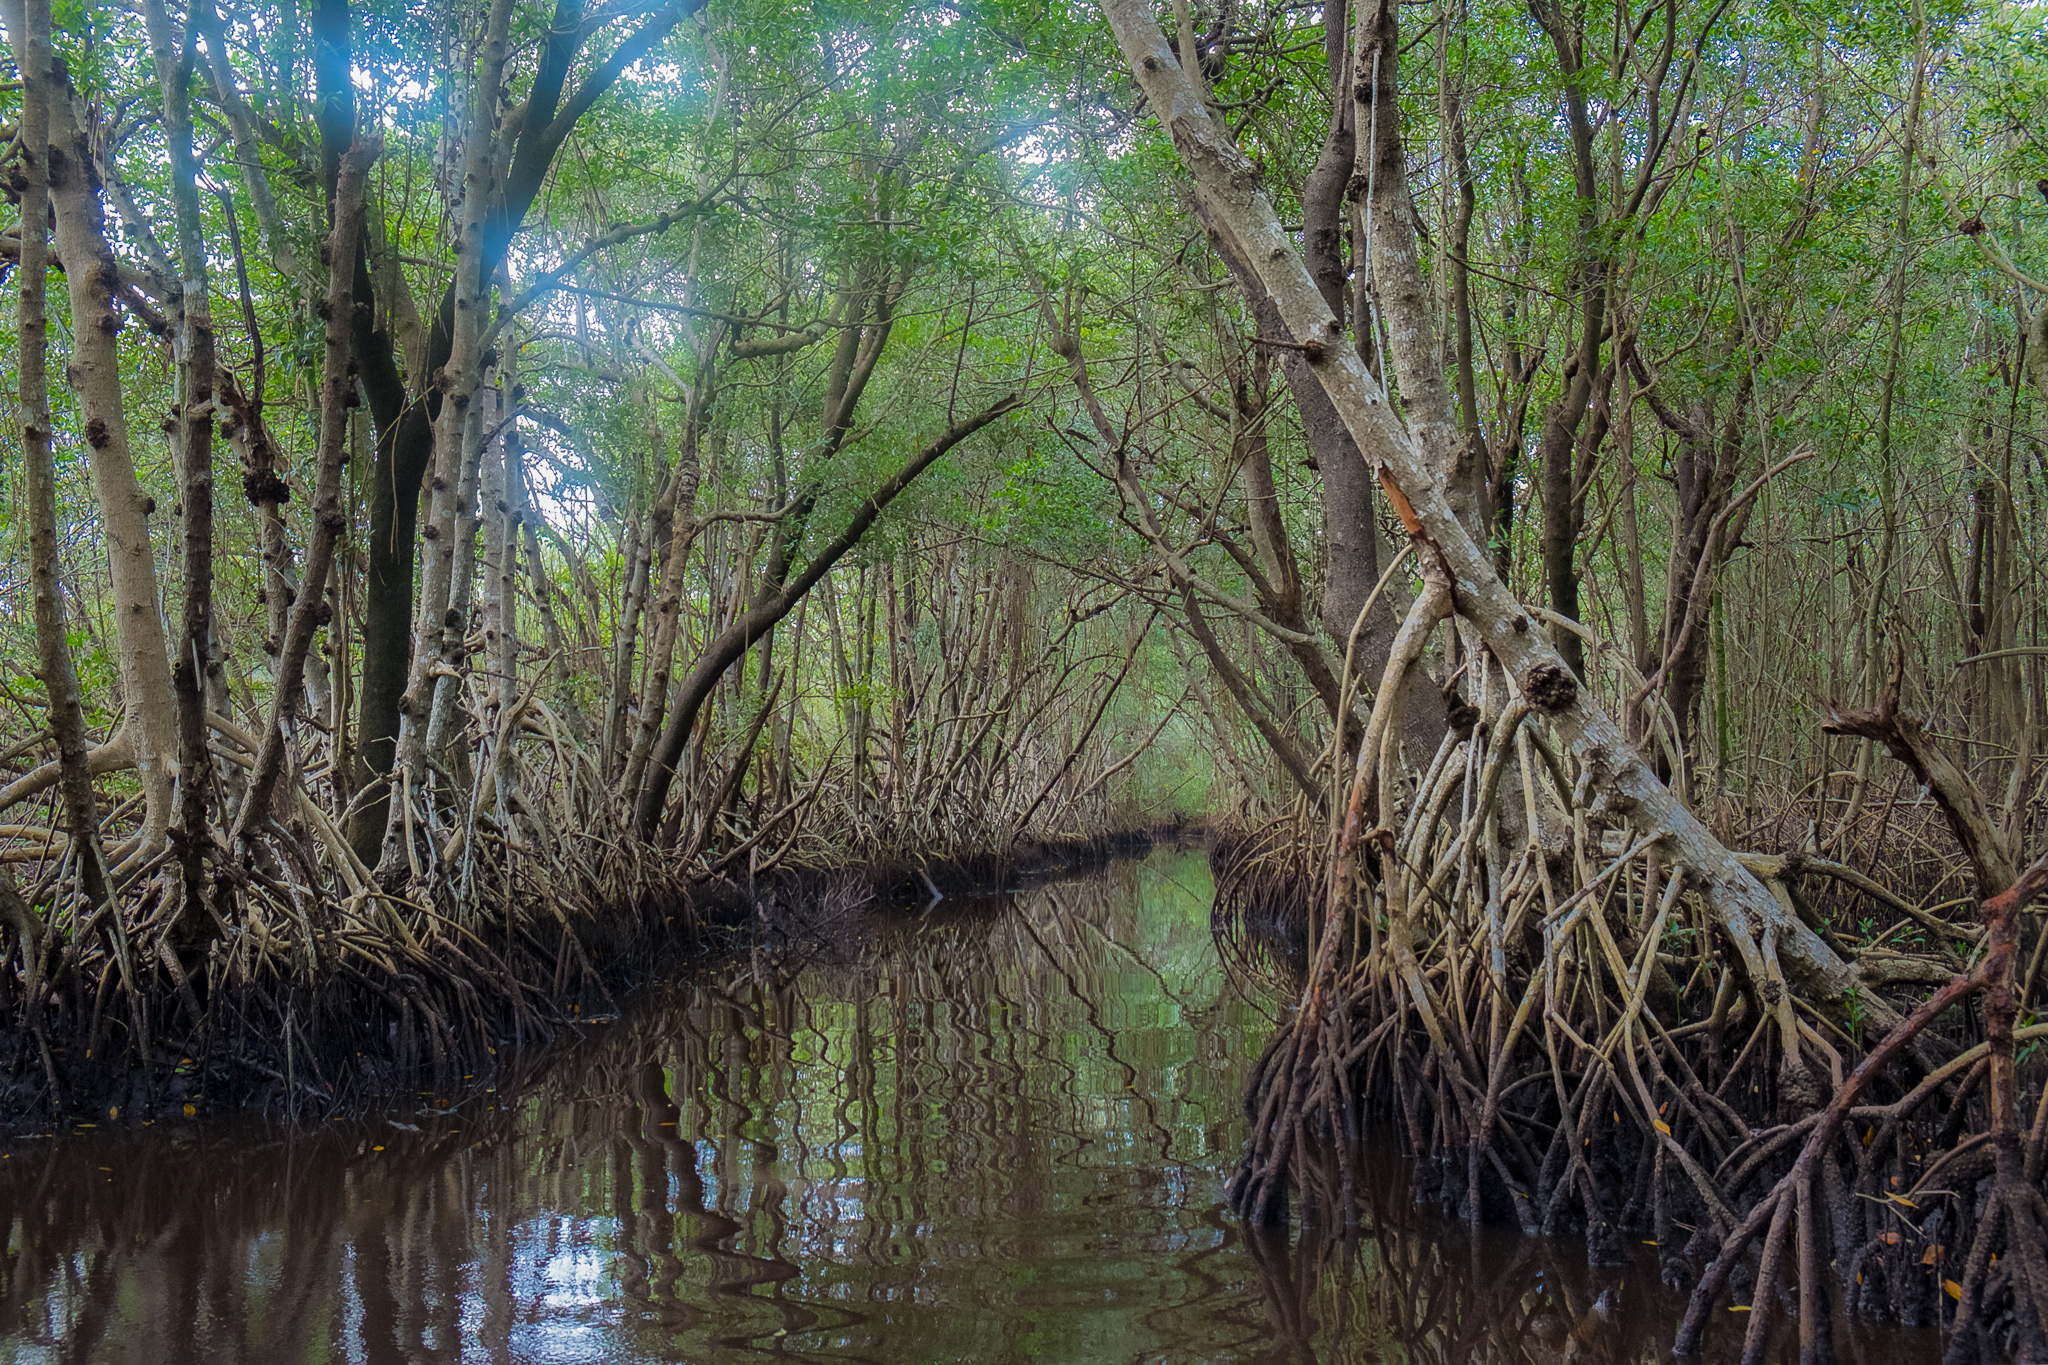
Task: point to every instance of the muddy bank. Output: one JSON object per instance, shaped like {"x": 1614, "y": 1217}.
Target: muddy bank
{"x": 339, "y": 1040}
{"x": 1025, "y": 861}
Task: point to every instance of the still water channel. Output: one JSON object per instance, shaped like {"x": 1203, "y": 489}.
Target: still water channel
{"x": 995, "y": 1132}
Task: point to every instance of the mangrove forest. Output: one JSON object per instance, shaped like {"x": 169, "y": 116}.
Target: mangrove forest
{"x": 1282, "y": 680}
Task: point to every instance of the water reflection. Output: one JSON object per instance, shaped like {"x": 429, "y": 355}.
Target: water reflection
{"x": 994, "y": 1133}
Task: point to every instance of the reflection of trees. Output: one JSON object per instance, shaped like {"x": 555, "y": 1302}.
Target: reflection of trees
{"x": 954, "y": 1135}
{"x": 819, "y": 1154}
{"x": 230, "y": 1247}
{"x": 1404, "y": 1283}
{"x": 945, "y": 1073}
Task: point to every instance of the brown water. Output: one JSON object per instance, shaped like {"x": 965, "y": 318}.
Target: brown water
{"x": 997, "y": 1132}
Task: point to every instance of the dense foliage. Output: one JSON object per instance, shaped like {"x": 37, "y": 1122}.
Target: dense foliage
{"x": 511, "y": 467}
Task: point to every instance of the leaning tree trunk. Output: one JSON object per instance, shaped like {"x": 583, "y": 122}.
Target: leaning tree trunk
{"x": 731, "y": 644}
{"x": 1229, "y": 197}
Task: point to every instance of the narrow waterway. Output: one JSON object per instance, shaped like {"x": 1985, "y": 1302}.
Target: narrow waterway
{"x": 997, "y": 1131}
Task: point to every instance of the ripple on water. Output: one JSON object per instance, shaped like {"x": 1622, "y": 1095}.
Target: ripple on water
{"x": 997, "y": 1132}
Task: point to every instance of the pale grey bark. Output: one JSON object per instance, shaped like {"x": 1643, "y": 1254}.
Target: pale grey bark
{"x": 124, "y": 509}
{"x": 1227, "y": 185}
{"x": 439, "y": 623}
{"x": 28, "y": 25}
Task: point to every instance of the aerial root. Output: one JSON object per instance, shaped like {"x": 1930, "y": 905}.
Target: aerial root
{"x": 1564, "y": 1034}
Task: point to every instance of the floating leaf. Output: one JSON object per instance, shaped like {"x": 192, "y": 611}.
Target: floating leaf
{"x": 1739, "y": 1308}
{"x": 1955, "y": 1291}
{"x": 1661, "y": 1126}
{"x": 1932, "y": 1254}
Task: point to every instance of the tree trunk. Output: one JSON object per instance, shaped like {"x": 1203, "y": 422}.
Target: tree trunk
{"x": 1381, "y": 179}
{"x": 441, "y": 623}
{"x": 1888, "y": 388}
{"x": 406, "y": 423}
{"x": 524, "y": 518}
{"x": 95, "y": 373}
{"x": 242, "y": 128}
{"x": 1705, "y": 471}
{"x": 732, "y": 643}
{"x": 1461, "y": 314}
{"x": 337, "y": 392}
{"x": 626, "y": 633}
{"x": 500, "y": 559}
{"x": 192, "y": 349}
{"x": 1353, "y": 546}
{"x": 28, "y": 24}
{"x": 1324, "y": 216}
{"x": 1562, "y": 451}
{"x": 1226, "y": 184}
{"x": 677, "y": 506}
{"x": 1354, "y": 552}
